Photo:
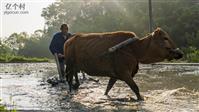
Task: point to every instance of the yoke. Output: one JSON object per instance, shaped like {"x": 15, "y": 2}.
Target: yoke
{"x": 122, "y": 44}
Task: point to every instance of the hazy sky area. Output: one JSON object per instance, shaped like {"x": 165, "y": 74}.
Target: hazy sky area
{"x": 22, "y": 16}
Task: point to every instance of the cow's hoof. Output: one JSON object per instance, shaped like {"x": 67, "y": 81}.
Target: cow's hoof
{"x": 106, "y": 93}
{"x": 62, "y": 81}
{"x": 141, "y": 98}
{"x": 76, "y": 86}
{"x": 53, "y": 81}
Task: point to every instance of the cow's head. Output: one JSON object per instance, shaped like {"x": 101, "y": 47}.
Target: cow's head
{"x": 164, "y": 45}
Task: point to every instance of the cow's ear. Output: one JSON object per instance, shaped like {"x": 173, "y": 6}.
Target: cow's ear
{"x": 157, "y": 31}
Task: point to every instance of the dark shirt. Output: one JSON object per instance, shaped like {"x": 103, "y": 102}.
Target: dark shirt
{"x": 57, "y": 43}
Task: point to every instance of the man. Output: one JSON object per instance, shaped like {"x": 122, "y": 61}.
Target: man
{"x": 57, "y": 45}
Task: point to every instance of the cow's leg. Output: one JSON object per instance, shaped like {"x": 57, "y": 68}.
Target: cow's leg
{"x": 134, "y": 87}
{"x": 111, "y": 82}
{"x": 70, "y": 73}
{"x": 70, "y": 79}
{"x": 66, "y": 72}
{"x": 76, "y": 86}
{"x": 61, "y": 64}
{"x": 84, "y": 76}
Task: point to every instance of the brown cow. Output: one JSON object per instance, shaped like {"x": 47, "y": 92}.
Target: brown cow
{"x": 85, "y": 52}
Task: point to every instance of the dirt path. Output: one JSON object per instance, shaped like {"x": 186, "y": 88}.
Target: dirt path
{"x": 165, "y": 88}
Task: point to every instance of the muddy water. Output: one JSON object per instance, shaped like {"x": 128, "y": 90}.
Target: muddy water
{"x": 165, "y": 88}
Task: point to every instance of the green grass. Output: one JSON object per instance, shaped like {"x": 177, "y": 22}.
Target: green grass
{"x": 20, "y": 59}
{"x": 4, "y": 109}
{"x": 191, "y": 54}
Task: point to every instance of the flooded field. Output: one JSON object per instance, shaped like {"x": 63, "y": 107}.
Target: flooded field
{"x": 166, "y": 88}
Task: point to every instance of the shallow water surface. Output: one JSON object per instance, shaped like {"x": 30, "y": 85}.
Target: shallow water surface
{"x": 173, "y": 88}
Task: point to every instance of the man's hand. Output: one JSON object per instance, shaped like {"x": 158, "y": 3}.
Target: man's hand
{"x": 60, "y": 55}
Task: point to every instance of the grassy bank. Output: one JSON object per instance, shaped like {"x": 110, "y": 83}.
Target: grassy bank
{"x": 191, "y": 55}
{"x": 20, "y": 59}
{"x": 4, "y": 109}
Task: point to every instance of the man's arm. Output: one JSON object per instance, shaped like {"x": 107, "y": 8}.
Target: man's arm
{"x": 52, "y": 46}
{"x": 69, "y": 35}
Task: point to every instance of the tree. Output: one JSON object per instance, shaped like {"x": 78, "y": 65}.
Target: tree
{"x": 100, "y": 16}
{"x": 35, "y": 46}
{"x": 4, "y": 49}
{"x": 179, "y": 18}
{"x": 16, "y": 41}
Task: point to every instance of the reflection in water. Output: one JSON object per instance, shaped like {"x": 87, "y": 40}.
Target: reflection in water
{"x": 165, "y": 88}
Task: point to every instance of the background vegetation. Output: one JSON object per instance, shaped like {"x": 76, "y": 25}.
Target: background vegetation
{"x": 180, "y": 18}
{"x": 4, "y": 109}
